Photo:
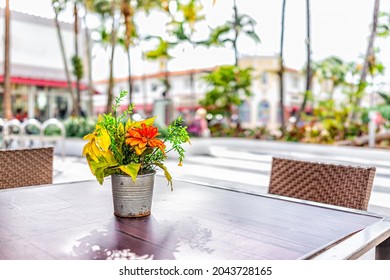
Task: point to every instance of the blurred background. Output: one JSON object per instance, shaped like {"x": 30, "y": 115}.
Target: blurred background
{"x": 302, "y": 71}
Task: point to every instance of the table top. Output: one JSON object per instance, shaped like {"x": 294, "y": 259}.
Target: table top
{"x": 76, "y": 221}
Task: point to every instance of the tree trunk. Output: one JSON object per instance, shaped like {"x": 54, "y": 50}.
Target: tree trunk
{"x": 235, "y": 39}
{"x": 235, "y": 34}
{"x": 7, "y": 75}
{"x": 110, "y": 94}
{"x": 192, "y": 86}
{"x": 129, "y": 79}
{"x": 332, "y": 89}
{"x": 127, "y": 13}
{"x": 363, "y": 140}
{"x": 166, "y": 78}
{"x": 166, "y": 94}
{"x": 281, "y": 72}
{"x": 64, "y": 58}
{"x": 308, "y": 66}
{"x": 368, "y": 61}
{"x": 76, "y": 50}
{"x": 145, "y": 95}
{"x": 89, "y": 62}
{"x": 144, "y": 88}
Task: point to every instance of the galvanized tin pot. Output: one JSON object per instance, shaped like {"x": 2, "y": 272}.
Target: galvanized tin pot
{"x": 132, "y": 199}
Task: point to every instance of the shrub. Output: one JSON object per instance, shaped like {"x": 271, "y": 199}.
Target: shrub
{"x": 79, "y": 127}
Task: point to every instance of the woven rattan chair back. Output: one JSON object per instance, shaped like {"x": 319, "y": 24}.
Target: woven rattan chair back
{"x": 341, "y": 185}
{"x": 26, "y": 167}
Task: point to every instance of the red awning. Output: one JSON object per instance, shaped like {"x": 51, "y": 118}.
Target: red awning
{"x": 43, "y": 83}
{"x": 137, "y": 108}
{"x": 189, "y": 108}
{"x": 297, "y": 108}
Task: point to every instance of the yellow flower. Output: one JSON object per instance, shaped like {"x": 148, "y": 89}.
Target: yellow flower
{"x": 99, "y": 142}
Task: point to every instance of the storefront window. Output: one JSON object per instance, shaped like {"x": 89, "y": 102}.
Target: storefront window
{"x": 41, "y": 105}
{"x": 19, "y": 106}
{"x": 244, "y": 113}
{"x": 263, "y": 112}
{"x": 264, "y": 78}
{"x": 60, "y": 107}
{"x": 1, "y": 107}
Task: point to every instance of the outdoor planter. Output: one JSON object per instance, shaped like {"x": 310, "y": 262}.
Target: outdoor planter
{"x": 131, "y": 151}
{"x": 132, "y": 198}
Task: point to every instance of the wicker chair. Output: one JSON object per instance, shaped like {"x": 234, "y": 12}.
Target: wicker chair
{"x": 26, "y": 167}
{"x": 341, "y": 185}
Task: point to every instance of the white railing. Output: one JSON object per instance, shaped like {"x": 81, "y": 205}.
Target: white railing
{"x": 14, "y": 134}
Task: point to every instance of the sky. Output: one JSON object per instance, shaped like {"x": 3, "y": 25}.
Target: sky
{"x": 338, "y": 27}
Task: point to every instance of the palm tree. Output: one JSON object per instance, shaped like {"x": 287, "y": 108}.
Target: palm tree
{"x": 58, "y": 7}
{"x": 76, "y": 60}
{"x": 236, "y": 30}
{"x": 331, "y": 69}
{"x": 281, "y": 71}
{"x": 231, "y": 30}
{"x": 383, "y": 25}
{"x": 383, "y": 28}
{"x": 161, "y": 53}
{"x": 113, "y": 40}
{"x": 369, "y": 60}
{"x": 106, "y": 9}
{"x": 148, "y": 5}
{"x": 308, "y": 63}
{"x": 128, "y": 10}
{"x": 89, "y": 57}
{"x": 184, "y": 29}
{"x": 7, "y": 79}
{"x": 130, "y": 32}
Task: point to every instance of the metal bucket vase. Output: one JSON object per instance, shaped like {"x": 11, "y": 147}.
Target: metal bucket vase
{"x": 132, "y": 199}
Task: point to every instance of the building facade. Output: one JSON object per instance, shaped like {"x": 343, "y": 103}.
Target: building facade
{"x": 38, "y": 81}
{"x": 187, "y": 88}
{"x": 263, "y": 107}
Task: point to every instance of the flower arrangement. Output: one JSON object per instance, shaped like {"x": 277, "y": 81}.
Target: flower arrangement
{"x": 119, "y": 145}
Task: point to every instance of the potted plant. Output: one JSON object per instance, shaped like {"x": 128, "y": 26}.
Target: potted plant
{"x": 130, "y": 151}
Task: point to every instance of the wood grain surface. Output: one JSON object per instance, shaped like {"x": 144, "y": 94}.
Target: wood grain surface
{"x": 76, "y": 221}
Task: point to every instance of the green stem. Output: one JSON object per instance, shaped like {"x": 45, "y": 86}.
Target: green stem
{"x": 142, "y": 164}
{"x": 169, "y": 150}
{"x": 156, "y": 149}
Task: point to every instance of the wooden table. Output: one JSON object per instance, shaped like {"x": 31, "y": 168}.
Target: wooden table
{"x": 76, "y": 221}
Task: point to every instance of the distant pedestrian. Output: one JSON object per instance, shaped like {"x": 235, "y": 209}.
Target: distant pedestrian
{"x": 200, "y": 119}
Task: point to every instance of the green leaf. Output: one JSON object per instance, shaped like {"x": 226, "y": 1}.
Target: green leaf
{"x": 166, "y": 173}
{"x": 385, "y": 97}
{"x": 111, "y": 171}
{"x": 161, "y": 51}
{"x": 177, "y": 135}
{"x": 131, "y": 170}
{"x": 253, "y": 36}
{"x": 77, "y": 64}
{"x": 225, "y": 84}
{"x": 95, "y": 165}
{"x": 100, "y": 176}
{"x": 98, "y": 168}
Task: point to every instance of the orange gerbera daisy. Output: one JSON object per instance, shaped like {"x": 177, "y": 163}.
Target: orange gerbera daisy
{"x": 143, "y": 137}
